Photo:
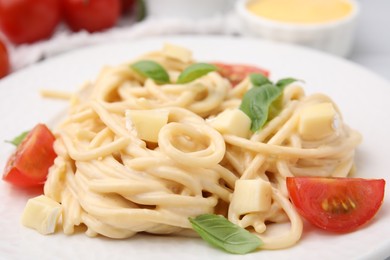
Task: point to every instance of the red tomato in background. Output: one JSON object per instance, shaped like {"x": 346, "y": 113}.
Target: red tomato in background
{"x": 235, "y": 73}
{"x": 336, "y": 204}
{"x": 128, "y": 6}
{"x": 30, "y": 163}
{"x": 91, "y": 15}
{"x": 4, "y": 60}
{"x": 27, "y": 21}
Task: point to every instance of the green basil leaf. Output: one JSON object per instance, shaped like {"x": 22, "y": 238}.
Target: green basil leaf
{"x": 194, "y": 72}
{"x": 151, "y": 69}
{"x": 275, "y": 108}
{"x": 18, "y": 139}
{"x": 222, "y": 233}
{"x": 258, "y": 79}
{"x": 256, "y": 104}
{"x": 282, "y": 83}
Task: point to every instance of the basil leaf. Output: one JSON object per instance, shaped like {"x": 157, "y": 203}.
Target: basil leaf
{"x": 256, "y": 104}
{"x": 222, "y": 233}
{"x": 18, "y": 139}
{"x": 259, "y": 79}
{"x": 282, "y": 83}
{"x": 275, "y": 108}
{"x": 194, "y": 72}
{"x": 151, "y": 69}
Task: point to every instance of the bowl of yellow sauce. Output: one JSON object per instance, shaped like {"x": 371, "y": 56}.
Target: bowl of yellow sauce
{"x": 327, "y": 25}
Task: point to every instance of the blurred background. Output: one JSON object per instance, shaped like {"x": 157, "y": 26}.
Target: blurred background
{"x": 34, "y": 30}
{"x": 372, "y": 43}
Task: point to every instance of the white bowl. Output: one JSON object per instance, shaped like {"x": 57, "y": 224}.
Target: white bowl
{"x": 335, "y": 37}
{"x": 192, "y": 9}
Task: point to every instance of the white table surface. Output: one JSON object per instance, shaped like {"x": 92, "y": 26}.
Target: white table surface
{"x": 372, "y": 45}
{"x": 371, "y": 48}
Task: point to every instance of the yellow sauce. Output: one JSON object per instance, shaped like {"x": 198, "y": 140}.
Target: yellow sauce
{"x": 301, "y": 11}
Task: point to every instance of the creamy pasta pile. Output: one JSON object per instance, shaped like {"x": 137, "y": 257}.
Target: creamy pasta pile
{"x": 116, "y": 184}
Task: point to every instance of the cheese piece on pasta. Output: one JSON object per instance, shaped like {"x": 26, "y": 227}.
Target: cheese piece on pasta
{"x": 317, "y": 121}
{"x": 41, "y": 213}
{"x": 147, "y": 123}
{"x": 177, "y": 53}
{"x": 251, "y": 196}
{"x": 234, "y": 122}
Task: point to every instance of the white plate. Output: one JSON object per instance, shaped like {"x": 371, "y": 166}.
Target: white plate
{"x": 361, "y": 95}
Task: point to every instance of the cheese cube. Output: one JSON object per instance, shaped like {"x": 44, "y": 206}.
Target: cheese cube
{"x": 234, "y": 122}
{"x": 41, "y": 213}
{"x": 147, "y": 123}
{"x": 177, "y": 53}
{"x": 251, "y": 196}
{"x": 317, "y": 121}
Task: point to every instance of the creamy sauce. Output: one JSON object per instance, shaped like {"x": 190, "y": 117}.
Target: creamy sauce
{"x": 301, "y": 11}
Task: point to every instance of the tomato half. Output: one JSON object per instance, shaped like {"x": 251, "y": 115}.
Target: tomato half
{"x": 336, "y": 204}
{"x": 30, "y": 163}
{"x": 236, "y": 73}
{"x": 4, "y": 60}
{"x": 91, "y": 15}
{"x": 27, "y": 21}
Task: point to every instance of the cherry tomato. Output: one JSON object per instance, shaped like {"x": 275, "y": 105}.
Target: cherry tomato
{"x": 235, "y": 73}
{"x": 128, "y": 6}
{"x": 336, "y": 204}
{"x": 91, "y": 15}
{"x": 4, "y": 60}
{"x": 27, "y": 21}
{"x": 30, "y": 163}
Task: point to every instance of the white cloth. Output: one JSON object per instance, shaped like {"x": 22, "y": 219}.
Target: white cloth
{"x": 64, "y": 40}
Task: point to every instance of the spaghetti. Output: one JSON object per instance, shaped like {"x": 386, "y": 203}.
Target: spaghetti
{"x": 116, "y": 184}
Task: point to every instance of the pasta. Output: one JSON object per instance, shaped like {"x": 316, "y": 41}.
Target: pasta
{"x": 116, "y": 184}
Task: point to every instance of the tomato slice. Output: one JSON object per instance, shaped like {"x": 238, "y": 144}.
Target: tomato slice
{"x": 336, "y": 204}
{"x": 236, "y": 73}
{"x": 30, "y": 163}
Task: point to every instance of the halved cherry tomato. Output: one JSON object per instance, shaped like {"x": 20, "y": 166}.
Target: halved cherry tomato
{"x": 91, "y": 15}
{"x": 4, "y": 60}
{"x": 336, "y": 204}
{"x": 30, "y": 163}
{"x": 235, "y": 73}
{"x": 27, "y": 21}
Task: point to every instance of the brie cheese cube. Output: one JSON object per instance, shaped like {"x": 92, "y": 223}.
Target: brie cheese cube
{"x": 251, "y": 196}
{"x": 147, "y": 123}
{"x": 41, "y": 213}
{"x": 177, "y": 53}
{"x": 317, "y": 121}
{"x": 234, "y": 122}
